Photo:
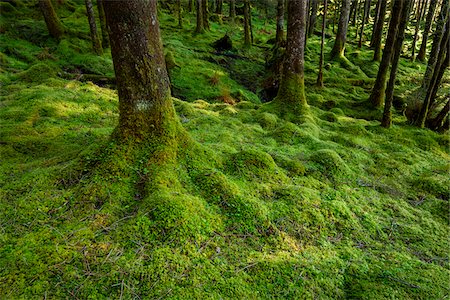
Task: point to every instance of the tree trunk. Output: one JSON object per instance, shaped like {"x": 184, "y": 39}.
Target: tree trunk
{"x": 146, "y": 112}
{"x": 375, "y": 20}
{"x": 54, "y": 26}
{"x": 101, "y": 15}
{"x": 96, "y": 44}
{"x": 365, "y": 14}
{"x": 180, "y": 14}
{"x": 435, "y": 123}
{"x": 423, "y": 47}
{"x": 198, "y": 7}
{"x": 353, "y": 11}
{"x": 205, "y": 14}
{"x": 247, "y": 33}
{"x": 421, "y": 7}
{"x": 378, "y": 34}
{"x": 313, "y": 17}
{"x": 291, "y": 94}
{"x": 440, "y": 75}
{"x": 439, "y": 42}
{"x": 341, "y": 36}
{"x": 219, "y": 6}
{"x": 280, "y": 23}
{"x": 387, "y": 114}
{"x": 378, "y": 91}
{"x": 232, "y": 11}
{"x": 190, "y": 5}
{"x": 322, "y": 42}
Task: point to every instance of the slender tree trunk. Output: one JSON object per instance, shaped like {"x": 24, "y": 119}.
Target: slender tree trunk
{"x": 146, "y": 112}
{"x": 205, "y": 14}
{"x": 313, "y": 17}
{"x": 428, "y": 22}
{"x": 435, "y": 123}
{"x": 322, "y": 42}
{"x": 440, "y": 75}
{"x": 280, "y": 23}
{"x": 190, "y": 5}
{"x": 387, "y": 114}
{"x": 336, "y": 9}
{"x": 341, "y": 36}
{"x": 354, "y": 11}
{"x": 421, "y": 7}
{"x": 440, "y": 37}
{"x": 247, "y": 30}
{"x": 291, "y": 94}
{"x": 54, "y": 26}
{"x": 375, "y": 21}
{"x": 365, "y": 14}
{"x": 378, "y": 91}
{"x": 96, "y": 44}
{"x": 219, "y": 6}
{"x": 180, "y": 14}
{"x": 198, "y": 7}
{"x": 378, "y": 35}
{"x": 232, "y": 14}
{"x": 101, "y": 15}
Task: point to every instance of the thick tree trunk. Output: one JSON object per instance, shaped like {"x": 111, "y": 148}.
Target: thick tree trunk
{"x": 378, "y": 91}
{"x": 54, "y": 26}
{"x": 146, "y": 112}
{"x": 198, "y": 7}
{"x": 291, "y": 94}
{"x": 341, "y": 36}
{"x": 378, "y": 34}
{"x": 96, "y": 44}
{"x": 232, "y": 13}
{"x": 280, "y": 23}
{"x": 247, "y": 30}
{"x": 428, "y": 22}
{"x": 101, "y": 15}
{"x": 387, "y": 114}
{"x": 322, "y": 42}
{"x": 205, "y": 14}
{"x": 312, "y": 18}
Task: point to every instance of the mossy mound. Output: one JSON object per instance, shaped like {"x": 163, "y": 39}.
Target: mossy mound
{"x": 329, "y": 163}
{"x": 38, "y": 73}
{"x": 267, "y": 120}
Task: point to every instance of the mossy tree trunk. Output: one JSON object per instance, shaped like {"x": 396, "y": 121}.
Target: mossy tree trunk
{"x": 419, "y": 15}
{"x": 205, "y": 14}
{"x": 96, "y": 44}
{"x": 428, "y": 22}
{"x": 341, "y": 36}
{"x": 198, "y": 7}
{"x": 101, "y": 15}
{"x": 322, "y": 42}
{"x": 387, "y": 114}
{"x": 146, "y": 112}
{"x": 291, "y": 94}
{"x": 312, "y": 17}
{"x": 247, "y": 29}
{"x": 378, "y": 33}
{"x": 436, "y": 123}
{"x": 378, "y": 91}
{"x": 279, "y": 38}
{"x": 54, "y": 26}
{"x": 232, "y": 13}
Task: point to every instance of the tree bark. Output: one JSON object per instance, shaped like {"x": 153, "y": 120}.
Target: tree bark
{"x": 280, "y": 23}
{"x": 247, "y": 33}
{"x": 423, "y": 47}
{"x": 419, "y": 14}
{"x": 180, "y": 14}
{"x": 365, "y": 14}
{"x": 198, "y": 7}
{"x": 435, "y": 123}
{"x": 146, "y": 112}
{"x": 96, "y": 44}
{"x": 54, "y": 26}
{"x": 322, "y": 42}
{"x": 387, "y": 114}
{"x": 378, "y": 91}
{"x": 312, "y": 18}
{"x": 375, "y": 20}
{"x": 219, "y": 6}
{"x": 232, "y": 11}
{"x": 205, "y": 14}
{"x": 341, "y": 36}
{"x": 101, "y": 15}
{"x": 378, "y": 34}
{"x": 291, "y": 94}
{"x": 190, "y": 5}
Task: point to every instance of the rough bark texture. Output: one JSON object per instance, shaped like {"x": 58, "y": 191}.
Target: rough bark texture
{"x": 247, "y": 33}
{"x": 313, "y": 16}
{"x": 96, "y": 44}
{"x": 387, "y": 114}
{"x": 341, "y": 36}
{"x": 232, "y": 10}
{"x": 205, "y": 14}
{"x": 199, "y": 28}
{"x": 378, "y": 33}
{"x": 378, "y": 91}
{"x": 324, "y": 25}
{"x": 280, "y": 23}
{"x": 423, "y": 47}
{"x": 145, "y": 107}
{"x": 54, "y": 26}
{"x": 291, "y": 94}
{"x": 101, "y": 15}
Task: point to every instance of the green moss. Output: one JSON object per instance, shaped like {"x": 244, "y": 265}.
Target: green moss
{"x": 38, "y": 73}
{"x": 329, "y": 163}
{"x": 267, "y": 120}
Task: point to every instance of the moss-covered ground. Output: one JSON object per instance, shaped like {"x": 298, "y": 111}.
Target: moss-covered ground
{"x": 255, "y": 207}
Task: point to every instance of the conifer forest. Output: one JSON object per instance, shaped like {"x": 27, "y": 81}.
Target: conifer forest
{"x": 224, "y": 149}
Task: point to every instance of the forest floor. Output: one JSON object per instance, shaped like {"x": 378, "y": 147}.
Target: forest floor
{"x": 336, "y": 207}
